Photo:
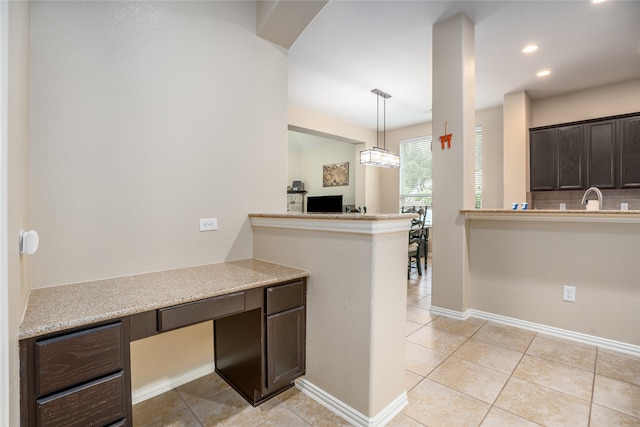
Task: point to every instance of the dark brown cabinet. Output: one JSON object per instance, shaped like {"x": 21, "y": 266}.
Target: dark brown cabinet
{"x": 557, "y": 158}
{"x": 604, "y": 153}
{"x": 543, "y": 160}
{"x": 630, "y": 152}
{"x": 285, "y": 310}
{"x": 82, "y": 376}
{"x": 601, "y": 154}
{"x": 570, "y": 155}
{"x": 259, "y": 369}
{"x": 78, "y": 378}
{"x": 285, "y": 347}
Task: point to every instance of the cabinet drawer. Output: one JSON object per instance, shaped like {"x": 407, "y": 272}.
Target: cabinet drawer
{"x": 284, "y": 297}
{"x": 98, "y": 403}
{"x": 78, "y": 357}
{"x": 199, "y": 311}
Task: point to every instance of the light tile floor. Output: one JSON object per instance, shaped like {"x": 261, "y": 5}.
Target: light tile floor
{"x": 458, "y": 373}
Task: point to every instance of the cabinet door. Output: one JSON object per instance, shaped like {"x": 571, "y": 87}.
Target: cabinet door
{"x": 601, "y": 158}
{"x": 570, "y": 155}
{"x": 542, "y": 160}
{"x": 285, "y": 347}
{"x": 630, "y": 152}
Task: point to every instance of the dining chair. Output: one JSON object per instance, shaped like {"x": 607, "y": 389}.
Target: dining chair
{"x": 416, "y": 244}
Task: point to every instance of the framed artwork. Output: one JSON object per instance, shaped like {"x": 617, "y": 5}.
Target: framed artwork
{"x": 335, "y": 175}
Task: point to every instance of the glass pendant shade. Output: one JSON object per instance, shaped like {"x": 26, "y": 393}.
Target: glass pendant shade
{"x": 379, "y": 157}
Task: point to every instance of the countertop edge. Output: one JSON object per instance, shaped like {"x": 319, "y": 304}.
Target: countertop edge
{"x": 337, "y": 216}
{"x": 362, "y": 224}
{"x": 623, "y": 217}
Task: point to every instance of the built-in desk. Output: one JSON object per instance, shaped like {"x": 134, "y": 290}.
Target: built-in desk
{"x": 74, "y": 341}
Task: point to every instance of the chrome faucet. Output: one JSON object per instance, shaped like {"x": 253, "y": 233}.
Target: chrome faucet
{"x": 598, "y": 193}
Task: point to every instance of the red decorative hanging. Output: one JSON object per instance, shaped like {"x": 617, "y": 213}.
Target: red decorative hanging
{"x": 446, "y": 138}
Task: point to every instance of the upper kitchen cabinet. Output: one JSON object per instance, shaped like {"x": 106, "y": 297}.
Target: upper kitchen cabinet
{"x": 604, "y": 153}
{"x": 543, "y": 159}
{"x": 570, "y": 153}
{"x": 629, "y": 142}
{"x": 557, "y": 158}
{"x": 601, "y": 154}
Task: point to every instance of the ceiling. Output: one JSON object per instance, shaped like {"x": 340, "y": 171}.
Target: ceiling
{"x": 352, "y": 47}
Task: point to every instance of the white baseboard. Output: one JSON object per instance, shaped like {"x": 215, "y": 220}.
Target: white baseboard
{"x": 161, "y": 386}
{"x": 348, "y": 413}
{"x": 544, "y": 329}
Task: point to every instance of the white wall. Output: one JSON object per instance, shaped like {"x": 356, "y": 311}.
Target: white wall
{"x": 18, "y": 190}
{"x": 145, "y": 117}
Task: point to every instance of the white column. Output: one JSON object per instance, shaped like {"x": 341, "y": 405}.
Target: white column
{"x": 453, "y": 168}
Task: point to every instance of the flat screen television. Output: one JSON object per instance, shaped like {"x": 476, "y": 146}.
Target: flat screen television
{"x": 324, "y": 204}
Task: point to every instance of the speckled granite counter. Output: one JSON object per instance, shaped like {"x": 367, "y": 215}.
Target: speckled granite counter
{"x": 62, "y": 307}
{"x": 335, "y": 216}
{"x": 624, "y": 217}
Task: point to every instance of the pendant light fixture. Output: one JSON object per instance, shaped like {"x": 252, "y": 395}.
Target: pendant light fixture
{"x": 380, "y": 156}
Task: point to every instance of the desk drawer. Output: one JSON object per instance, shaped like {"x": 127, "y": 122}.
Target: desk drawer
{"x": 78, "y": 357}
{"x": 199, "y": 311}
{"x": 98, "y": 403}
{"x": 285, "y": 297}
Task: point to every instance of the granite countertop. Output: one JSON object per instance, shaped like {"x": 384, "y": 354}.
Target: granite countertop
{"x": 68, "y": 306}
{"x": 580, "y": 215}
{"x": 553, "y": 211}
{"x": 336, "y": 216}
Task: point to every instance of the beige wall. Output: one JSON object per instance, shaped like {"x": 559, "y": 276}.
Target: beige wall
{"x": 145, "y": 117}
{"x": 18, "y": 185}
{"x": 306, "y": 165}
{"x": 355, "y": 314}
{"x": 491, "y": 122}
{"x": 515, "y": 166}
{"x": 603, "y": 101}
{"x": 368, "y": 179}
{"x": 519, "y": 268}
{"x": 492, "y": 154}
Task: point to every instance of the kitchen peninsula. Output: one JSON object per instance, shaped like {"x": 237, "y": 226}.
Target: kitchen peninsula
{"x": 520, "y": 262}
{"x": 74, "y": 340}
{"x": 356, "y": 306}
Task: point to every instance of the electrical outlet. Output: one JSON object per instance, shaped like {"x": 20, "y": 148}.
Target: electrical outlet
{"x": 569, "y": 293}
{"x": 208, "y": 224}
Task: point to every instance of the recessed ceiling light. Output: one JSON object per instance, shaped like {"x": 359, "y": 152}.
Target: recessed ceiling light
{"x": 543, "y": 73}
{"x": 598, "y": 1}
{"x": 530, "y": 48}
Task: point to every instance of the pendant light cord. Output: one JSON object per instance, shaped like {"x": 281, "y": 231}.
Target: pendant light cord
{"x": 377, "y": 121}
{"x": 384, "y": 124}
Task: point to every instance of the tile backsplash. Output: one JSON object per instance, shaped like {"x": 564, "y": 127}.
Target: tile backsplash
{"x": 611, "y": 199}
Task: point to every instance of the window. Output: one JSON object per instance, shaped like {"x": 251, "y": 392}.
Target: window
{"x": 478, "y": 153}
{"x": 415, "y": 171}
